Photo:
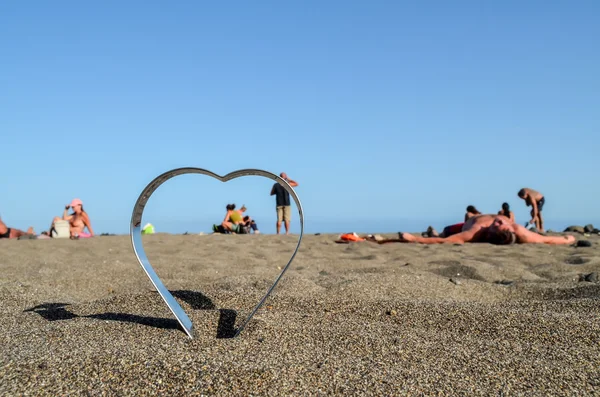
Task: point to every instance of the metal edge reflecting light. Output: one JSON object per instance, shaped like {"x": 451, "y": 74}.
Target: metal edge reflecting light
{"x": 135, "y": 232}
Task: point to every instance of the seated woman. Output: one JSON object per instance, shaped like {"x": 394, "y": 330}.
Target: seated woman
{"x": 507, "y": 212}
{"x": 78, "y": 221}
{"x": 9, "y": 232}
{"x": 233, "y": 221}
{"x": 471, "y": 212}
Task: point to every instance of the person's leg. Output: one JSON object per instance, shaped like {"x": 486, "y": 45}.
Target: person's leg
{"x": 227, "y": 226}
{"x": 16, "y": 233}
{"x": 459, "y": 238}
{"x": 541, "y": 221}
{"x": 279, "y": 218}
{"x": 287, "y": 217}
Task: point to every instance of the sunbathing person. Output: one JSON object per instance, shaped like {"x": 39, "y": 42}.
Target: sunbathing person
{"x": 9, "y": 232}
{"x": 507, "y": 212}
{"x": 494, "y": 229}
{"x": 78, "y": 220}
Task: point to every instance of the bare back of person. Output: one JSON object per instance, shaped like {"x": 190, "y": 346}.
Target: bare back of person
{"x": 532, "y": 195}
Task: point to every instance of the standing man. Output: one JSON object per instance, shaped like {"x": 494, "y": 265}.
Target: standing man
{"x": 536, "y": 200}
{"x": 282, "y": 202}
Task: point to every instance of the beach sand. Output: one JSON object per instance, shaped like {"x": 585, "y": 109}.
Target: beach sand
{"x": 82, "y": 318}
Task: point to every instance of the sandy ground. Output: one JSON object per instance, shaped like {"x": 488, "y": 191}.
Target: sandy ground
{"x": 82, "y": 318}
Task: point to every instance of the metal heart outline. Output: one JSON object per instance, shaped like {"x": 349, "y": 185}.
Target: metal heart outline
{"x": 135, "y": 232}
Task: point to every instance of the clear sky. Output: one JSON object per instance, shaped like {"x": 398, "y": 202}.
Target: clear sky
{"x": 391, "y": 115}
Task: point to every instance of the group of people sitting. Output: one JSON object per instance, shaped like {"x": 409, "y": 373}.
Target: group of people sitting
{"x": 235, "y": 222}
{"x": 77, "y": 221}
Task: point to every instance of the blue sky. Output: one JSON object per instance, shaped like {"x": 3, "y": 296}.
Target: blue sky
{"x": 390, "y": 115}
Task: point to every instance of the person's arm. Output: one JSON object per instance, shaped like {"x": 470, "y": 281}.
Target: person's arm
{"x": 292, "y": 182}
{"x": 87, "y": 223}
{"x": 512, "y": 217}
{"x": 66, "y": 216}
{"x": 273, "y": 190}
{"x": 525, "y": 236}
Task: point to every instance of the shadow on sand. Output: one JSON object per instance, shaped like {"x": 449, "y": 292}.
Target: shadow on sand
{"x": 226, "y": 328}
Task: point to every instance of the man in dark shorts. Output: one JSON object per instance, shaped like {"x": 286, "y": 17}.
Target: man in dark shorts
{"x": 282, "y": 203}
{"x": 7, "y": 232}
{"x": 536, "y": 200}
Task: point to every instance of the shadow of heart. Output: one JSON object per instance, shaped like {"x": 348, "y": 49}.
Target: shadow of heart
{"x": 58, "y": 311}
{"x": 138, "y": 247}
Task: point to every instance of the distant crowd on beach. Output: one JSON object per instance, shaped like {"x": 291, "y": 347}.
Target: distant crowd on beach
{"x": 532, "y": 198}
{"x": 500, "y": 228}
{"x": 235, "y": 222}
{"x": 74, "y": 225}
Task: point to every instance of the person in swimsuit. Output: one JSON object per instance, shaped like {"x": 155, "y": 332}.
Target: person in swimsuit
{"x": 493, "y": 229}
{"x": 507, "y": 212}
{"x": 9, "y": 232}
{"x": 536, "y": 200}
{"x": 78, "y": 221}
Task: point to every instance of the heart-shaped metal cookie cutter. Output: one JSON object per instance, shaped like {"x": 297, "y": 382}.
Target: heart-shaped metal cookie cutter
{"x": 138, "y": 248}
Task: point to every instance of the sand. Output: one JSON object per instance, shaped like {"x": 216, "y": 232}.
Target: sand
{"x": 82, "y": 318}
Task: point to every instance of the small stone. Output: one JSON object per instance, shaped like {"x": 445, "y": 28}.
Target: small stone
{"x": 576, "y": 229}
{"x": 588, "y": 228}
{"x": 457, "y": 282}
{"x": 591, "y": 277}
{"x": 583, "y": 243}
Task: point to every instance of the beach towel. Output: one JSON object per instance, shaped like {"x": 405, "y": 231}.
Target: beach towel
{"x": 348, "y": 238}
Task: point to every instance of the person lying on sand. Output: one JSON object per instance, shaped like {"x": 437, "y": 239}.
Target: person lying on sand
{"x": 78, "y": 220}
{"x": 494, "y": 229}
{"x": 9, "y": 232}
